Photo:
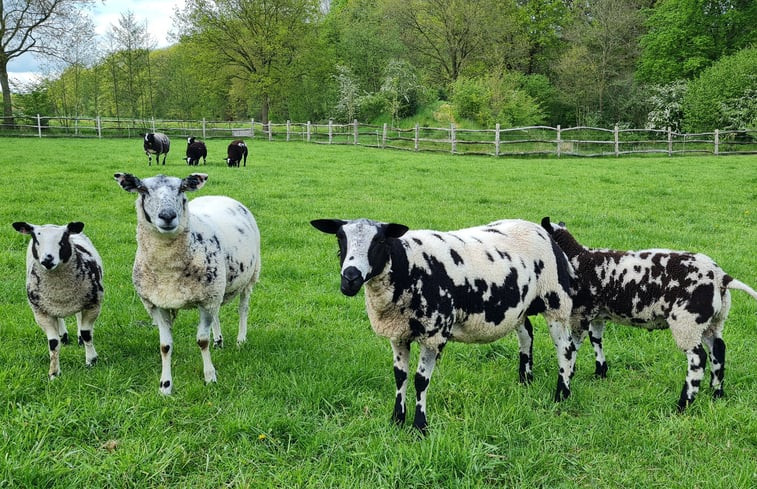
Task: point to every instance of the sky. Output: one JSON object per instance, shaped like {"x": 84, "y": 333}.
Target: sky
{"x": 158, "y": 14}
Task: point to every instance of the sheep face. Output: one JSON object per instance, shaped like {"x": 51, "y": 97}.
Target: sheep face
{"x": 51, "y": 245}
{"x": 162, "y": 202}
{"x": 364, "y": 247}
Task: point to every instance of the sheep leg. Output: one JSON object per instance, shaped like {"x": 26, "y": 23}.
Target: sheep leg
{"x": 51, "y": 326}
{"x": 217, "y": 336}
{"x": 401, "y": 350}
{"x": 716, "y": 347}
{"x": 244, "y": 308}
{"x": 697, "y": 358}
{"x": 86, "y": 321}
{"x": 426, "y": 363}
{"x": 566, "y": 358}
{"x": 525, "y": 345}
{"x": 63, "y": 332}
{"x": 596, "y": 330}
{"x": 164, "y": 319}
{"x": 208, "y": 316}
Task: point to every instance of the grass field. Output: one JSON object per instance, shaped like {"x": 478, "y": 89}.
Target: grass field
{"x": 306, "y": 402}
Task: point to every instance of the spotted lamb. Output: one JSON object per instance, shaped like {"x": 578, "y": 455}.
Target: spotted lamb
{"x": 64, "y": 276}
{"x": 653, "y": 289}
{"x": 473, "y": 285}
{"x": 200, "y": 254}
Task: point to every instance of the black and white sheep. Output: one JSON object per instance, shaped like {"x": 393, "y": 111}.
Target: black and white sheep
{"x": 195, "y": 151}
{"x": 653, "y": 289}
{"x": 64, "y": 276}
{"x": 473, "y": 285}
{"x": 235, "y": 152}
{"x": 156, "y": 143}
{"x": 200, "y": 254}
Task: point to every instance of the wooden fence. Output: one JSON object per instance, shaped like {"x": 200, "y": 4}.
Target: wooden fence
{"x": 520, "y": 141}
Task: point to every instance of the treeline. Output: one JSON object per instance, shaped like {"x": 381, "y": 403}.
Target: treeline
{"x": 686, "y": 64}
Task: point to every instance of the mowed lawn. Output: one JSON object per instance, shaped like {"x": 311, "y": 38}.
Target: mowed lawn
{"x": 306, "y": 402}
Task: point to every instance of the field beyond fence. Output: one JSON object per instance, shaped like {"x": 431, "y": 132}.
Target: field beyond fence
{"x": 499, "y": 141}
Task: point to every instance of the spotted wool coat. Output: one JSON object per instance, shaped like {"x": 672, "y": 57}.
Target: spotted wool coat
{"x": 652, "y": 289}
{"x": 474, "y": 285}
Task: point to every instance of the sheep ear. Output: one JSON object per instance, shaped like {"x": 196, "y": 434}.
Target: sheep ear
{"x": 23, "y": 227}
{"x": 395, "y": 230}
{"x": 193, "y": 182}
{"x": 75, "y": 227}
{"x": 546, "y": 224}
{"x": 328, "y": 226}
{"x": 128, "y": 182}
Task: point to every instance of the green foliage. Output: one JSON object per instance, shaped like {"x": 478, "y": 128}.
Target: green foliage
{"x": 401, "y": 89}
{"x": 685, "y": 36}
{"x": 495, "y": 99}
{"x": 713, "y": 100}
{"x": 306, "y": 402}
{"x": 666, "y": 103}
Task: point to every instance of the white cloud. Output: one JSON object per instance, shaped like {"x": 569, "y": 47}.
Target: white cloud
{"x": 158, "y": 14}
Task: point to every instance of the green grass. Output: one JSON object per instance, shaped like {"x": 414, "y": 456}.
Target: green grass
{"x": 306, "y": 402}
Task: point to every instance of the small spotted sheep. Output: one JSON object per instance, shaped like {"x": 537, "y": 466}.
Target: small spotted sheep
{"x": 195, "y": 151}
{"x": 473, "y": 286}
{"x": 64, "y": 276}
{"x": 200, "y": 254}
{"x": 653, "y": 289}
{"x": 156, "y": 143}
{"x": 236, "y": 151}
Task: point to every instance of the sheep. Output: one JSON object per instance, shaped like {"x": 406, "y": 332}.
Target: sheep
{"x": 64, "y": 276}
{"x": 235, "y": 152}
{"x": 473, "y": 286}
{"x": 200, "y": 254}
{"x": 652, "y": 289}
{"x": 195, "y": 150}
{"x": 156, "y": 143}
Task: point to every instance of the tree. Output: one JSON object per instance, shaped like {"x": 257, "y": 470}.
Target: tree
{"x": 30, "y": 26}
{"x": 686, "y": 36}
{"x": 261, "y": 38}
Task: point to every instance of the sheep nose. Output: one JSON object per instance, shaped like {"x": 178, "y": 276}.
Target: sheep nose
{"x": 48, "y": 262}
{"x": 167, "y": 216}
{"x": 352, "y": 280}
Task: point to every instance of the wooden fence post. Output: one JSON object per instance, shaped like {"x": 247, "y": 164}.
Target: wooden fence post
{"x": 307, "y": 130}
{"x": 717, "y": 142}
{"x": 617, "y": 142}
{"x": 270, "y": 131}
{"x": 252, "y": 128}
{"x": 153, "y": 124}
{"x": 670, "y": 142}
{"x": 415, "y": 137}
{"x": 496, "y": 140}
{"x": 559, "y": 140}
{"x": 99, "y": 128}
{"x": 355, "y": 131}
{"x": 39, "y": 126}
{"x": 204, "y": 136}
{"x": 331, "y": 131}
{"x": 289, "y": 129}
{"x": 383, "y": 137}
{"x": 452, "y": 137}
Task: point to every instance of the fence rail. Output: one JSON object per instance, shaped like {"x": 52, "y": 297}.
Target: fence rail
{"x": 520, "y": 141}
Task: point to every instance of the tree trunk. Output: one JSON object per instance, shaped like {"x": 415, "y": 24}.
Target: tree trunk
{"x": 7, "y": 105}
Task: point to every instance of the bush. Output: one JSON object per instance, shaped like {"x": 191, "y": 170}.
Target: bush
{"x": 495, "y": 99}
{"x": 666, "y": 102}
{"x": 712, "y": 99}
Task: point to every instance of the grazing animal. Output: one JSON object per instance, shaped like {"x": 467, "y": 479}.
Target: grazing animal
{"x": 653, "y": 289}
{"x": 235, "y": 152}
{"x": 64, "y": 276}
{"x": 195, "y": 151}
{"x": 200, "y": 254}
{"x": 473, "y": 285}
{"x": 158, "y": 144}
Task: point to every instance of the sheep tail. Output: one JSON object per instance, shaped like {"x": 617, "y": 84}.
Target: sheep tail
{"x": 737, "y": 284}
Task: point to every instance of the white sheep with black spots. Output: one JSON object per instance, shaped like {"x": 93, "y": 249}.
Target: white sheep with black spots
{"x": 200, "y": 254}
{"x": 64, "y": 276}
{"x": 652, "y": 289}
{"x": 474, "y": 285}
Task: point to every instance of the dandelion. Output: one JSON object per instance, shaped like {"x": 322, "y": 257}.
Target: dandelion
{"x": 262, "y": 437}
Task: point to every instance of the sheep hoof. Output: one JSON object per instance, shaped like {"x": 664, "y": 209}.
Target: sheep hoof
{"x": 166, "y": 387}
{"x": 54, "y": 375}
{"x": 218, "y": 343}
{"x": 64, "y": 339}
{"x": 92, "y": 362}
{"x": 717, "y": 394}
{"x": 210, "y": 377}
